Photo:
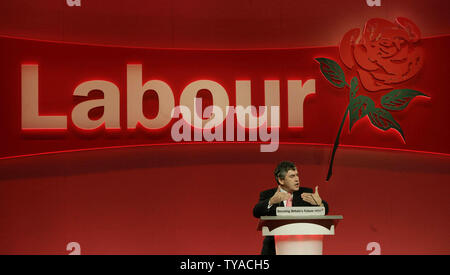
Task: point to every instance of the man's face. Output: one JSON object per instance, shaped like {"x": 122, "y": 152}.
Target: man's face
{"x": 291, "y": 182}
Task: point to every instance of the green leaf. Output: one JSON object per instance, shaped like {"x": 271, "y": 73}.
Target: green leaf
{"x": 354, "y": 87}
{"x": 332, "y": 72}
{"x": 383, "y": 120}
{"x": 360, "y": 107}
{"x": 398, "y": 99}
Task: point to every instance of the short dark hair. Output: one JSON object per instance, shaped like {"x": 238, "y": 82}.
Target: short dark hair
{"x": 282, "y": 169}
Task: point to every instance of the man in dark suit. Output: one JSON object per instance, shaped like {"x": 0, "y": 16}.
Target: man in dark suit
{"x": 288, "y": 193}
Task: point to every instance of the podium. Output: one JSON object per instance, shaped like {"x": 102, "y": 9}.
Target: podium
{"x": 298, "y": 235}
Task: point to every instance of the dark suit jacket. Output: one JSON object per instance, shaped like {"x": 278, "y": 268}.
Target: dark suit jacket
{"x": 260, "y": 209}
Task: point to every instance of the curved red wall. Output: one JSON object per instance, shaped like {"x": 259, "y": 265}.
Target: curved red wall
{"x": 139, "y": 193}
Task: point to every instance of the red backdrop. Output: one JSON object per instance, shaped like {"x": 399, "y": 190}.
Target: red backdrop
{"x": 154, "y": 196}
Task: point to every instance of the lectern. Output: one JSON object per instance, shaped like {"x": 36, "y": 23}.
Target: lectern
{"x": 301, "y": 235}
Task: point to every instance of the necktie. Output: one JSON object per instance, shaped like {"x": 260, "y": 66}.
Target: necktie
{"x": 289, "y": 202}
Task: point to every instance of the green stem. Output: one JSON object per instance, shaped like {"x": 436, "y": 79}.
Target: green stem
{"x": 336, "y": 143}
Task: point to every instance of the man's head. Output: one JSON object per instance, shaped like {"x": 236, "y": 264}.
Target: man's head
{"x": 286, "y": 175}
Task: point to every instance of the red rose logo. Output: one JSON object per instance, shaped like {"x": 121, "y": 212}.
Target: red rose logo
{"x": 387, "y": 53}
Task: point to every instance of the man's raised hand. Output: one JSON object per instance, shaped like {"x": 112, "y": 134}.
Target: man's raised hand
{"x": 312, "y": 198}
{"x": 279, "y": 197}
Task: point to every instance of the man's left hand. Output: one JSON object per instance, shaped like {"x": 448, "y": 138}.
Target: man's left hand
{"x": 312, "y": 198}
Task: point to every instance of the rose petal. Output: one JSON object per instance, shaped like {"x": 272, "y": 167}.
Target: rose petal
{"x": 393, "y": 68}
{"x": 377, "y": 28}
{"x": 386, "y": 52}
{"x": 411, "y": 28}
{"x": 346, "y": 47}
{"x": 402, "y": 55}
{"x": 403, "y": 69}
{"x": 381, "y": 76}
{"x": 369, "y": 82}
{"x": 362, "y": 58}
{"x": 409, "y": 68}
